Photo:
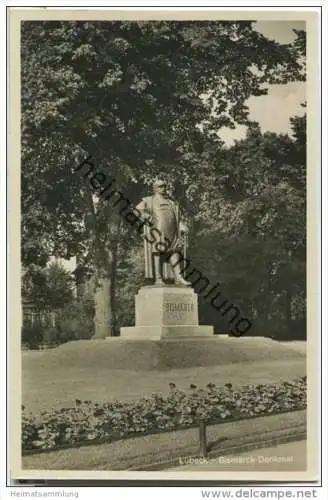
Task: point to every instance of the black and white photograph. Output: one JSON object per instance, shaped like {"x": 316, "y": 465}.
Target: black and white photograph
{"x": 166, "y": 321}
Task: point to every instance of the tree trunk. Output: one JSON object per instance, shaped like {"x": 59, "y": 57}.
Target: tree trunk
{"x": 112, "y": 294}
{"x": 103, "y": 328}
{"x": 105, "y": 290}
{"x": 105, "y": 263}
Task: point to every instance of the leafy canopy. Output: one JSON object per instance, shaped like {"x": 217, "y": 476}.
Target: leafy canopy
{"x": 131, "y": 94}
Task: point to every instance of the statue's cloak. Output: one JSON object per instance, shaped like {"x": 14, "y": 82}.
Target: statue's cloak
{"x": 147, "y": 205}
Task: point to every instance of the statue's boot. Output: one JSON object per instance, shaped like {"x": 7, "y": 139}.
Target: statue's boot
{"x": 176, "y": 266}
{"x": 157, "y": 270}
{"x": 179, "y": 280}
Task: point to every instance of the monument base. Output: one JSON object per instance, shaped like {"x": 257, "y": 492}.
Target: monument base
{"x": 166, "y": 332}
{"x": 166, "y": 312}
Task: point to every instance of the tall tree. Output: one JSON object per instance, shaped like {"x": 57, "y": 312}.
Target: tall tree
{"x": 132, "y": 95}
{"x": 253, "y": 224}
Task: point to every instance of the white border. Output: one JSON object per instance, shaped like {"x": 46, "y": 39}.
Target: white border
{"x": 256, "y": 5}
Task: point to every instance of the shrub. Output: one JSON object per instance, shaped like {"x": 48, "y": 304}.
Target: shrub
{"x": 32, "y": 335}
{"x": 72, "y": 323}
{"x": 51, "y": 336}
{"x": 76, "y": 321}
{"x": 36, "y": 335}
{"x": 89, "y": 421}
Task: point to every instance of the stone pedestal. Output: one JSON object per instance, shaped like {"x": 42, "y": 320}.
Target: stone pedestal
{"x": 166, "y": 312}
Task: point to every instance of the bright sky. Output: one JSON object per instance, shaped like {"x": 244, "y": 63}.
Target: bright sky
{"x": 283, "y": 101}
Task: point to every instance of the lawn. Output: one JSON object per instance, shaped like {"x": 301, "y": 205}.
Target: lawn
{"x": 48, "y": 383}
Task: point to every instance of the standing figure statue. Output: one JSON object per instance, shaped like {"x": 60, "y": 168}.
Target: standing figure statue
{"x": 164, "y": 236}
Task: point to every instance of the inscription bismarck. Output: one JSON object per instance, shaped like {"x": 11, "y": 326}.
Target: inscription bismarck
{"x": 174, "y": 307}
{"x": 180, "y": 312}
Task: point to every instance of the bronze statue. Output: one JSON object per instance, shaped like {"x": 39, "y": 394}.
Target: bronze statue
{"x": 164, "y": 236}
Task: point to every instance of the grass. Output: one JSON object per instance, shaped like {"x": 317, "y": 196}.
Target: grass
{"x": 47, "y": 386}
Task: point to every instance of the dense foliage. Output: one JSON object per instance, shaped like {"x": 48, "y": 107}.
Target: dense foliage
{"x": 89, "y": 421}
{"x": 76, "y": 320}
{"x": 33, "y": 335}
{"x": 147, "y": 98}
{"x": 49, "y": 288}
{"x": 72, "y": 322}
{"x": 253, "y": 225}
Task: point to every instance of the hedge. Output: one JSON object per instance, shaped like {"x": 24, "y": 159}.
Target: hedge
{"x": 90, "y": 421}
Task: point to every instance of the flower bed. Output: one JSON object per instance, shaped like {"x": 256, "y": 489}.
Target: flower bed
{"x": 89, "y": 421}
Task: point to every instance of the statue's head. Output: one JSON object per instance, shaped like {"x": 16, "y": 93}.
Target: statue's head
{"x": 160, "y": 186}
